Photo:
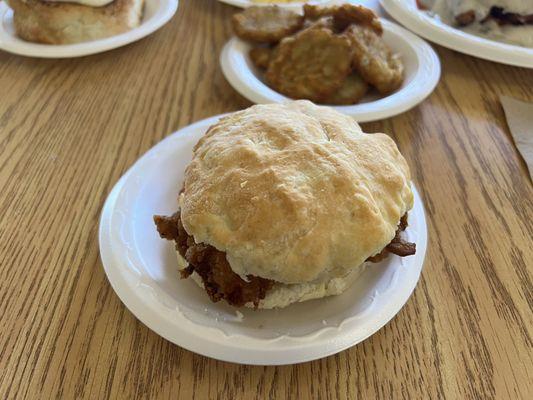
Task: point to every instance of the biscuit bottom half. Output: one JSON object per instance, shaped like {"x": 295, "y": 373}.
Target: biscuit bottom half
{"x": 281, "y": 295}
{"x": 210, "y": 268}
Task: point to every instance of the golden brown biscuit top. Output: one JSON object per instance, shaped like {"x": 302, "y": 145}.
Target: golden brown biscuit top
{"x": 294, "y": 192}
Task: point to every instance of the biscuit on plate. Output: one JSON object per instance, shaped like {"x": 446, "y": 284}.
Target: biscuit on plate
{"x": 55, "y": 22}
{"x": 284, "y": 203}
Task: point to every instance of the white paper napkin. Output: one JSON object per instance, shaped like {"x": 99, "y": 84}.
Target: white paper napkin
{"x": 519, "y": 116}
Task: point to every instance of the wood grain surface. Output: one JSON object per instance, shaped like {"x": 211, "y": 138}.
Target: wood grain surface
{"x": 70, "y": 128}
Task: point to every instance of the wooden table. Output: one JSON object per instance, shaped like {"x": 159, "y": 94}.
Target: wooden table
{"x": 70, "y": 128}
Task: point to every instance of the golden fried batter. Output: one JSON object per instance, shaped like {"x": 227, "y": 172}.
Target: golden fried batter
{"x": 261, "y": 56}
{"x": 374, "y": 60}
{"x": 351, "y": 92}
{"x": 344, "y": 15}
{"x": 322, "y": 22}
{"x": 311, "y": 65}
{"x": 266, "y": 24}
{"x": 220, "y": 282}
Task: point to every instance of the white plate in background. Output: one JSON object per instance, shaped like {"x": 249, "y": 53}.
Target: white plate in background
{"x": 422, "y": 73}
{"x": 156, "y": 14}
{"x": 407, "y": 13}
{"x": 142, "y": 269}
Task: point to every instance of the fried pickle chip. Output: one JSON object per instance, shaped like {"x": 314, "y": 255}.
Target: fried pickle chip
{"x": 374, "y": 60}
{"x": 351, "y": 92}
{"x": 322, "y": 22}
{"x": 266, "y": 24}
{"x": 344, "y": 15}
{"x": 261, "y": 56}
{"x": 311, "y": 65}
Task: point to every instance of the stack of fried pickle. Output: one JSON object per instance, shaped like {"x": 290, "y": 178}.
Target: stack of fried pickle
{"x": 329, "y": 55}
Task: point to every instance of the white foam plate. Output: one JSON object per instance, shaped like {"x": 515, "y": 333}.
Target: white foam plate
{"x": 142, "y": 269}
{"x": 407, "y": 13}
{"x": 156, "y": 14}
{"x": 422, "y": 73}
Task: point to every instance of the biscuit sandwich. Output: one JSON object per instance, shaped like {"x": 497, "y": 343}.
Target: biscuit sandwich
{"x": 284, "y": 203}
{"x": 74, "y": 21}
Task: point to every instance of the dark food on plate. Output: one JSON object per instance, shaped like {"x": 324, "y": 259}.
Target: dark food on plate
{"x": 284, "y": 203}
{"x": 266, "y": 24}
{"x": 504, "y": 12}
{"x": 397, "y": 246}
{"x": 218, "y": 279}
{"x": 61, "y": 22}
{"x": 508, "y": 18}
{"x": 508, "y": 21}
{"x": 332, "y": 55}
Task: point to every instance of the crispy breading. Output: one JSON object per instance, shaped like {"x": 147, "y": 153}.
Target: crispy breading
{"x": 311, "y": 65}
{"x": 220, "y": 282}
{"x": 344, "y": 15}
{"x": 261, "y": 56}
{"x": 397, "y": 246}
{"x": 351, "y": 92}
{"x": 374, "y": 60}
{"x": 322, "y": 22}
{"x": 266, "y": 24}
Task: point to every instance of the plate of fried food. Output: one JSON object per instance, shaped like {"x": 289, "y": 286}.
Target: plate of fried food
{"x": 340, "y": 55}
{"x": 277, "y": 234}
{"x": 74, "y": 28}
{"x": 495, "y": 30}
